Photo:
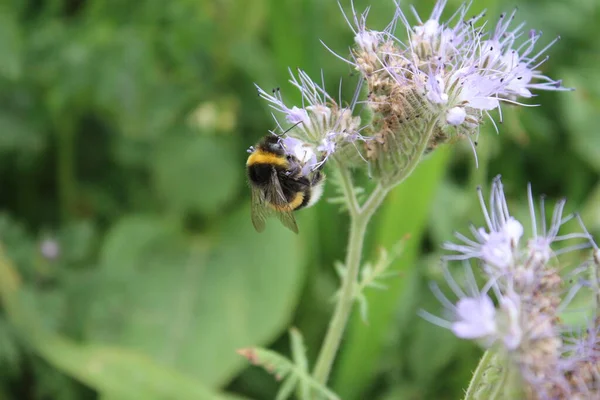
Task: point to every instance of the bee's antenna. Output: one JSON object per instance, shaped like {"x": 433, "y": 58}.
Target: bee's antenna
{"x": 288, "y": 129}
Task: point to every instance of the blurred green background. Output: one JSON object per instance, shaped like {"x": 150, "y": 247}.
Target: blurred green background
{"x": 130, "y": 267}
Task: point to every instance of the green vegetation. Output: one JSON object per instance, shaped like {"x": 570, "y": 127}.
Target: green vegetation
{"x": 123, "y": 134}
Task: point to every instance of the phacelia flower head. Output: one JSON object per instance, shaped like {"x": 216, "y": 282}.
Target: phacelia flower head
{"x": 475, "y": 315}
{"x": 523, "y": 265}
{"x": 473, "y": 69}
{"x": 476, "y": 318}
{"x": 437, "y": 83}
{"x": 320, "y": 123}
{"x": 498, "y": 245}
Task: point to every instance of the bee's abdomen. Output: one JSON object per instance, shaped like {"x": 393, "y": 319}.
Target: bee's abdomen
{"x": 305, "y": 200}
{"x": 295, "y": 202}
{"x": 297, "y": 192}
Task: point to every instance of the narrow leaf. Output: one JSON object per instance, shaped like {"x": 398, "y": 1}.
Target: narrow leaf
{"x": 299, "y": 357}
{"x": 281, "y": 367}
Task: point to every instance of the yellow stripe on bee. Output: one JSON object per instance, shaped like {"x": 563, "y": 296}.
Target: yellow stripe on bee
{"x": 262, "y": 157}
{"x": 292, "y": 205}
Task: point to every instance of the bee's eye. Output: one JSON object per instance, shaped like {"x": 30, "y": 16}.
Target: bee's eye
{"x": 288, "y": 156}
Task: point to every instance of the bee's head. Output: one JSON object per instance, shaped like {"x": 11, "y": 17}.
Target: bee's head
{"x": 272, "y": 144}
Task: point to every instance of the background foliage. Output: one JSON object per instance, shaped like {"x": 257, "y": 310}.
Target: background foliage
{"x": 123, "y": 130}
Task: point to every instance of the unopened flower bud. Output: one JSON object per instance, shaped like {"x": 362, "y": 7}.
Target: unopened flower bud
{"x": 456, "y": 116}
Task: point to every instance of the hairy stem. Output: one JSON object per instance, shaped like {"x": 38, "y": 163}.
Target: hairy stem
{"x": 348, "y": 188}
{"x": 479, "y": 375}
{"x": 408, "y": 169}
{"x": 359, "y": 220}
{"x": 360, "y": 217}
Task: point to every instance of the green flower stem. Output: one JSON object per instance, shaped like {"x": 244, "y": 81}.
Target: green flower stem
{"x": 348, "y": 188}
{"x": 360, "y": 217}
{"x": 497, "y": 390}
{"x": 359, "y": 220}
{"x": 420, "y": 148}
{"x": 479, "y": 375}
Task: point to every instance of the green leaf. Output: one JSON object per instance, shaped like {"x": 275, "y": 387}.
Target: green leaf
{"x": 197, "y": 173}
{"x": 190, "y": 303}
{"x": 10, "y": 354}
{"x": 129, "y": 238}
{"x": 122, "y": 373}
{"x": 406, "y": 211}
{"x": 116, "y": 371}
{"x": 282, "y": 368}
{"x": 299, "y": 357}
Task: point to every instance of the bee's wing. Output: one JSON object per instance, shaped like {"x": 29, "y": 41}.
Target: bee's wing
{"x": 259, "y": 210}
{"x": 276, "y": 197}
{"x": 288, "y": 220}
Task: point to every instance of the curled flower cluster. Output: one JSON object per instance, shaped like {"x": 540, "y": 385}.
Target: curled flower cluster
{"x": 321, "y": 123}
{"x": 439, "y": 83}
{"x": 524, "y": 276}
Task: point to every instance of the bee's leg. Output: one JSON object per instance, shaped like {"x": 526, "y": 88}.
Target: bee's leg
{"x": 319, "y": 165}
{"x": 300, "y": 183}
{"x": 293, "y": 171}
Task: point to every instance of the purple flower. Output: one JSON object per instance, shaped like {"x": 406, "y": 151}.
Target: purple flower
{"x": 523, "y": 269}
{"x": 302, "y": 151}
{"x": 321, "y": 123}
{"x": 457, "y": 63}
{"x": 476, "y": 318}
{"x": 496, "y": 244}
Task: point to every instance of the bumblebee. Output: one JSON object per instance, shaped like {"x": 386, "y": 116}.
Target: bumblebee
{"x": 282, "y": 180}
